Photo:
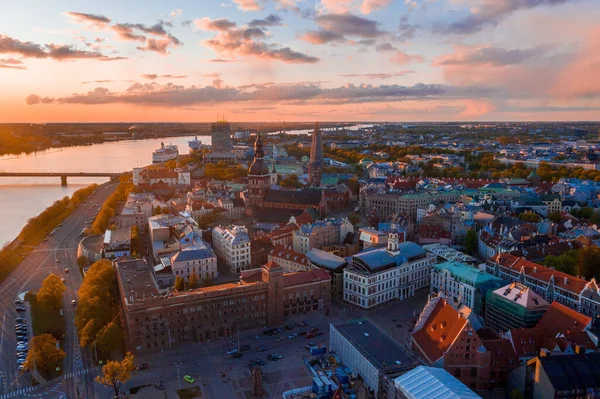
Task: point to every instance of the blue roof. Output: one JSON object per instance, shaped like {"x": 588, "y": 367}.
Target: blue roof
{"x": 193, "y": 254}
{"x": 411, "y": 250}
{"x": 325, "y": 259}
{"x": 432, "y": 383}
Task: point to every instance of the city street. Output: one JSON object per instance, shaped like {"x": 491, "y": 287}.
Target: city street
{"x": 221, "y": 376}
{"x": 55, "y": 255}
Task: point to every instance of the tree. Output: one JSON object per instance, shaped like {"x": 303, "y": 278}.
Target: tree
{"x": 50, "y": 294}
{"x": 565, "y": 262}
{"x": 97, "y": 305}
{"x": 109, "y": 338}
{"x": 516, "y": 394}
{"x": 588, "y": 263}
{"x": 178, "y": 283}
{"x": 136, "y": 240}
{"x": 115, "y": 374}
{"x": 529, "y": 216}
{"x": 471, "y": 242}
{"x": 291, "y": 181}
{"x": 354, "y": 218}
{"x": 43, "y": 354}
{"x": 555, "y": 217}
{"x": 193, "y": 280}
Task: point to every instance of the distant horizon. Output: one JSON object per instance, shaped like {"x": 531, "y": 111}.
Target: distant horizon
{"x": 465, "y": 122}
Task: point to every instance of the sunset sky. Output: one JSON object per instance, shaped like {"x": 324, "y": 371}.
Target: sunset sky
{"x": 293, "y": 60}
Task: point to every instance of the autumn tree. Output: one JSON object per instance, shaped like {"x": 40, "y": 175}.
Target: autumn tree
{"x": 82, "y": 261}
{"x": 291, "y": 181}
{"x": 193, "y": 280}
{"x": 43, "y": 354}
{"x": 555, "y": 217}
{"x": 110, "y": 338}
{"x": 178, "y": 283}
{"x": 51, "y": 292}
{"x": 115, "y": 374}
{"x": 588, "y": 262}
{"x": 136, "y": 241}
{"x": 529, "y": 216}
{"x": 97, "y": 305}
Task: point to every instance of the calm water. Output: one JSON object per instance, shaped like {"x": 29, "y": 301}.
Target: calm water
{"x": 22, "y": 198}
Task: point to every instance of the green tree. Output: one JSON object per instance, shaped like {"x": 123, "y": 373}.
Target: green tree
{"x": 43, "y": 354}
{"x": 354, "y": 218}
{"x": 555, "y": 217}
{"x": 136, "y": 241}
{"x": 193, "y": 281}
{"x": 588, "y": 263}
{"x": 471, "y": 242}
{"x": 516, "y": 394}
{"x": 529, "y": 216}
{"x": 115, "y": 374}
{"x": 178, "y": 283}
{"x": 565, "y": 262}
{"x": 51, "y": 292}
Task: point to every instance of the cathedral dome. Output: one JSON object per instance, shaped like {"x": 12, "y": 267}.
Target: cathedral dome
{"x": 258, "y": 167}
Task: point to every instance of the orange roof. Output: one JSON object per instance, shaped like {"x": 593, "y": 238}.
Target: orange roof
{"x": 271, "y": 265}
{"x": 560, "y": 319}
{"x": 284, "y": 231}
{"x": 529, "y": 341}
{"x": 502, "y": 352}
{"x": 562, "y": 280}
{"x": 162, "y": 174}
{"x": 440, "y": 330}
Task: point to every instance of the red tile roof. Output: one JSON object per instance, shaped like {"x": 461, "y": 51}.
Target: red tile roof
{"x": 562, "y": 280}
{"x": 502, "y": 353}
{"x": 560, "y": 319}
{"x": 528, "y": 341}
{"x": 287, "y": 253}
{"x": 283, "y": 231}
{"x": 440, "y": 330}
{"x": 305, "y": 277}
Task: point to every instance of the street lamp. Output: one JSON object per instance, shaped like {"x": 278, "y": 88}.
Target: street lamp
{"x": 178, "y": 379}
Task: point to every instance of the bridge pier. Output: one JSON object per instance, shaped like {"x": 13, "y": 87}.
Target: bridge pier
{"x": 63, "y": 181}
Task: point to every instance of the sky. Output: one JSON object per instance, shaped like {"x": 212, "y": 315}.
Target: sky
{"x": 299, "y": 60}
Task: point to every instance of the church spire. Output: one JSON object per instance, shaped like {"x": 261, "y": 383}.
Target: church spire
{"x": 315, "y": 166}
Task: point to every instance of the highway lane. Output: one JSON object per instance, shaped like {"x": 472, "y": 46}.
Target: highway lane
{"x": 28, "y": 276}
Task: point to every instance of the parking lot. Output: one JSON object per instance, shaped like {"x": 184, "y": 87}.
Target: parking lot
{"x": 222, "y": 376}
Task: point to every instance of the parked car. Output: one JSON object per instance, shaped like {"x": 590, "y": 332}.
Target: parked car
{"x": 294, "y": 335}
{"x": 189, "y": 379}
{"x": 313, "y": 330}
{"x": 20, "y": 361}
{"x": 66, "y": 270}
{"x": 21, "y": 309}
{"x": 274, "y": 356}
{"x": 20, "y": 320}
{"x": 159, "y": 385}
{"x": 236, "y": 355}
{"x": 142, "y": 367}
{"x": 255, "y": 336}
{"x": 289, "y": 327}
{"x": 245, "y": 348}
{"x": 260, "y": 362}
{"x": 63, "y": 279}
{"x": 261, "y": 348}
{"x": 231, "y": 352}
{"x": 73, "y": 302}
{"x": 279, "y": 339}
{"x": 22, "y": 347}
{"x": 18, "y": 302}
{"x": 310, "y": 335}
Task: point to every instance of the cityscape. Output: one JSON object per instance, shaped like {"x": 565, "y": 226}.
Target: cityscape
{"x": 298, "y": 199}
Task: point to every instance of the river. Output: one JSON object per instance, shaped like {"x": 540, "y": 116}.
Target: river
{"x": 27, "y": 197}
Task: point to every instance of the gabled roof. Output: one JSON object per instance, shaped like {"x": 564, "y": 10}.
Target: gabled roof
{"x": 564, "y": 281}
{"x": 560, "y": 319}
{"x": 305, "y": 196}
{"x": 305, "y": 277}
{"x": 439, "y": 331}
{"x": 432, "y": 383}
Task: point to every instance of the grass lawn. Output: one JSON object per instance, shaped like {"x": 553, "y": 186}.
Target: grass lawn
{"x": 189, "y": 393}
{"x": 46, "y": 320}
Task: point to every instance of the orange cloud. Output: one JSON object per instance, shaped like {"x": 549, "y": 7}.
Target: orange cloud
{"x": 476, "y": 108}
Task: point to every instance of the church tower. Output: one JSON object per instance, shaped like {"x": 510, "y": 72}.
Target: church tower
{"x": 259, "y": 178}
{"x": 315, "y": 166}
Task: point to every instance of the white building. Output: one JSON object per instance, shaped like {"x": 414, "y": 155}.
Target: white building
{"x": 321, "y": 233}
{"x": 380, "y": 275}
{"x": 136, "y": 211}
{"x": 232, "y": 246}
{"x": 198, "y": 258}
{"x": 371, "y": 354}
{"x": 117, "y": 243}
{"x": 458, "y": 281}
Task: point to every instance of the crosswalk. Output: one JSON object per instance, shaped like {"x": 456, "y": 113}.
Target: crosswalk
{"x": 78, "y": 373}
{"x": 19, "y": 393}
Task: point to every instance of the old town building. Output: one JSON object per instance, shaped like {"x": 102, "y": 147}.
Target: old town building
{"x": 156, "y": 320}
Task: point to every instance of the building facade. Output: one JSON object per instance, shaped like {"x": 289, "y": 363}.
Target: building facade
{"x": 156, "y": 320}
{"x": 459, "y": 281}
{"x": 232, "y": 246}
{"x": 574, "y": 292}
{"x": 198, "y": 259}
{"x": 380, "y": 275}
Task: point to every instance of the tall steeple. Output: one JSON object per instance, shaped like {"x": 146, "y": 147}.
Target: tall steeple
{"x": 315, "y": 166}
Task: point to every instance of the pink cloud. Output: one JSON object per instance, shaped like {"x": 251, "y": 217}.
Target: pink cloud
{"x": 476, "y": 108}
{"x": 248, "y": 5}
{"x": 581, "y": 77}
{"x": 368, "y": 6}
{"x": 402, "y": 58}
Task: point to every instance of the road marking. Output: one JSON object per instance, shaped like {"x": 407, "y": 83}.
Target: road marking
{"x": 17, "y": 393}
{"x": 7, "y": 284}
{"x": 78, "y": 373}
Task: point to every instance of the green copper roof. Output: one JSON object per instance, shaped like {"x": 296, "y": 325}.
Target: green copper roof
{"x": 466, "y": 273}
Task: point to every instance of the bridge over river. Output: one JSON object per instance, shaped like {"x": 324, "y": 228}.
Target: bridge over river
{"x": 63, "y": 175}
